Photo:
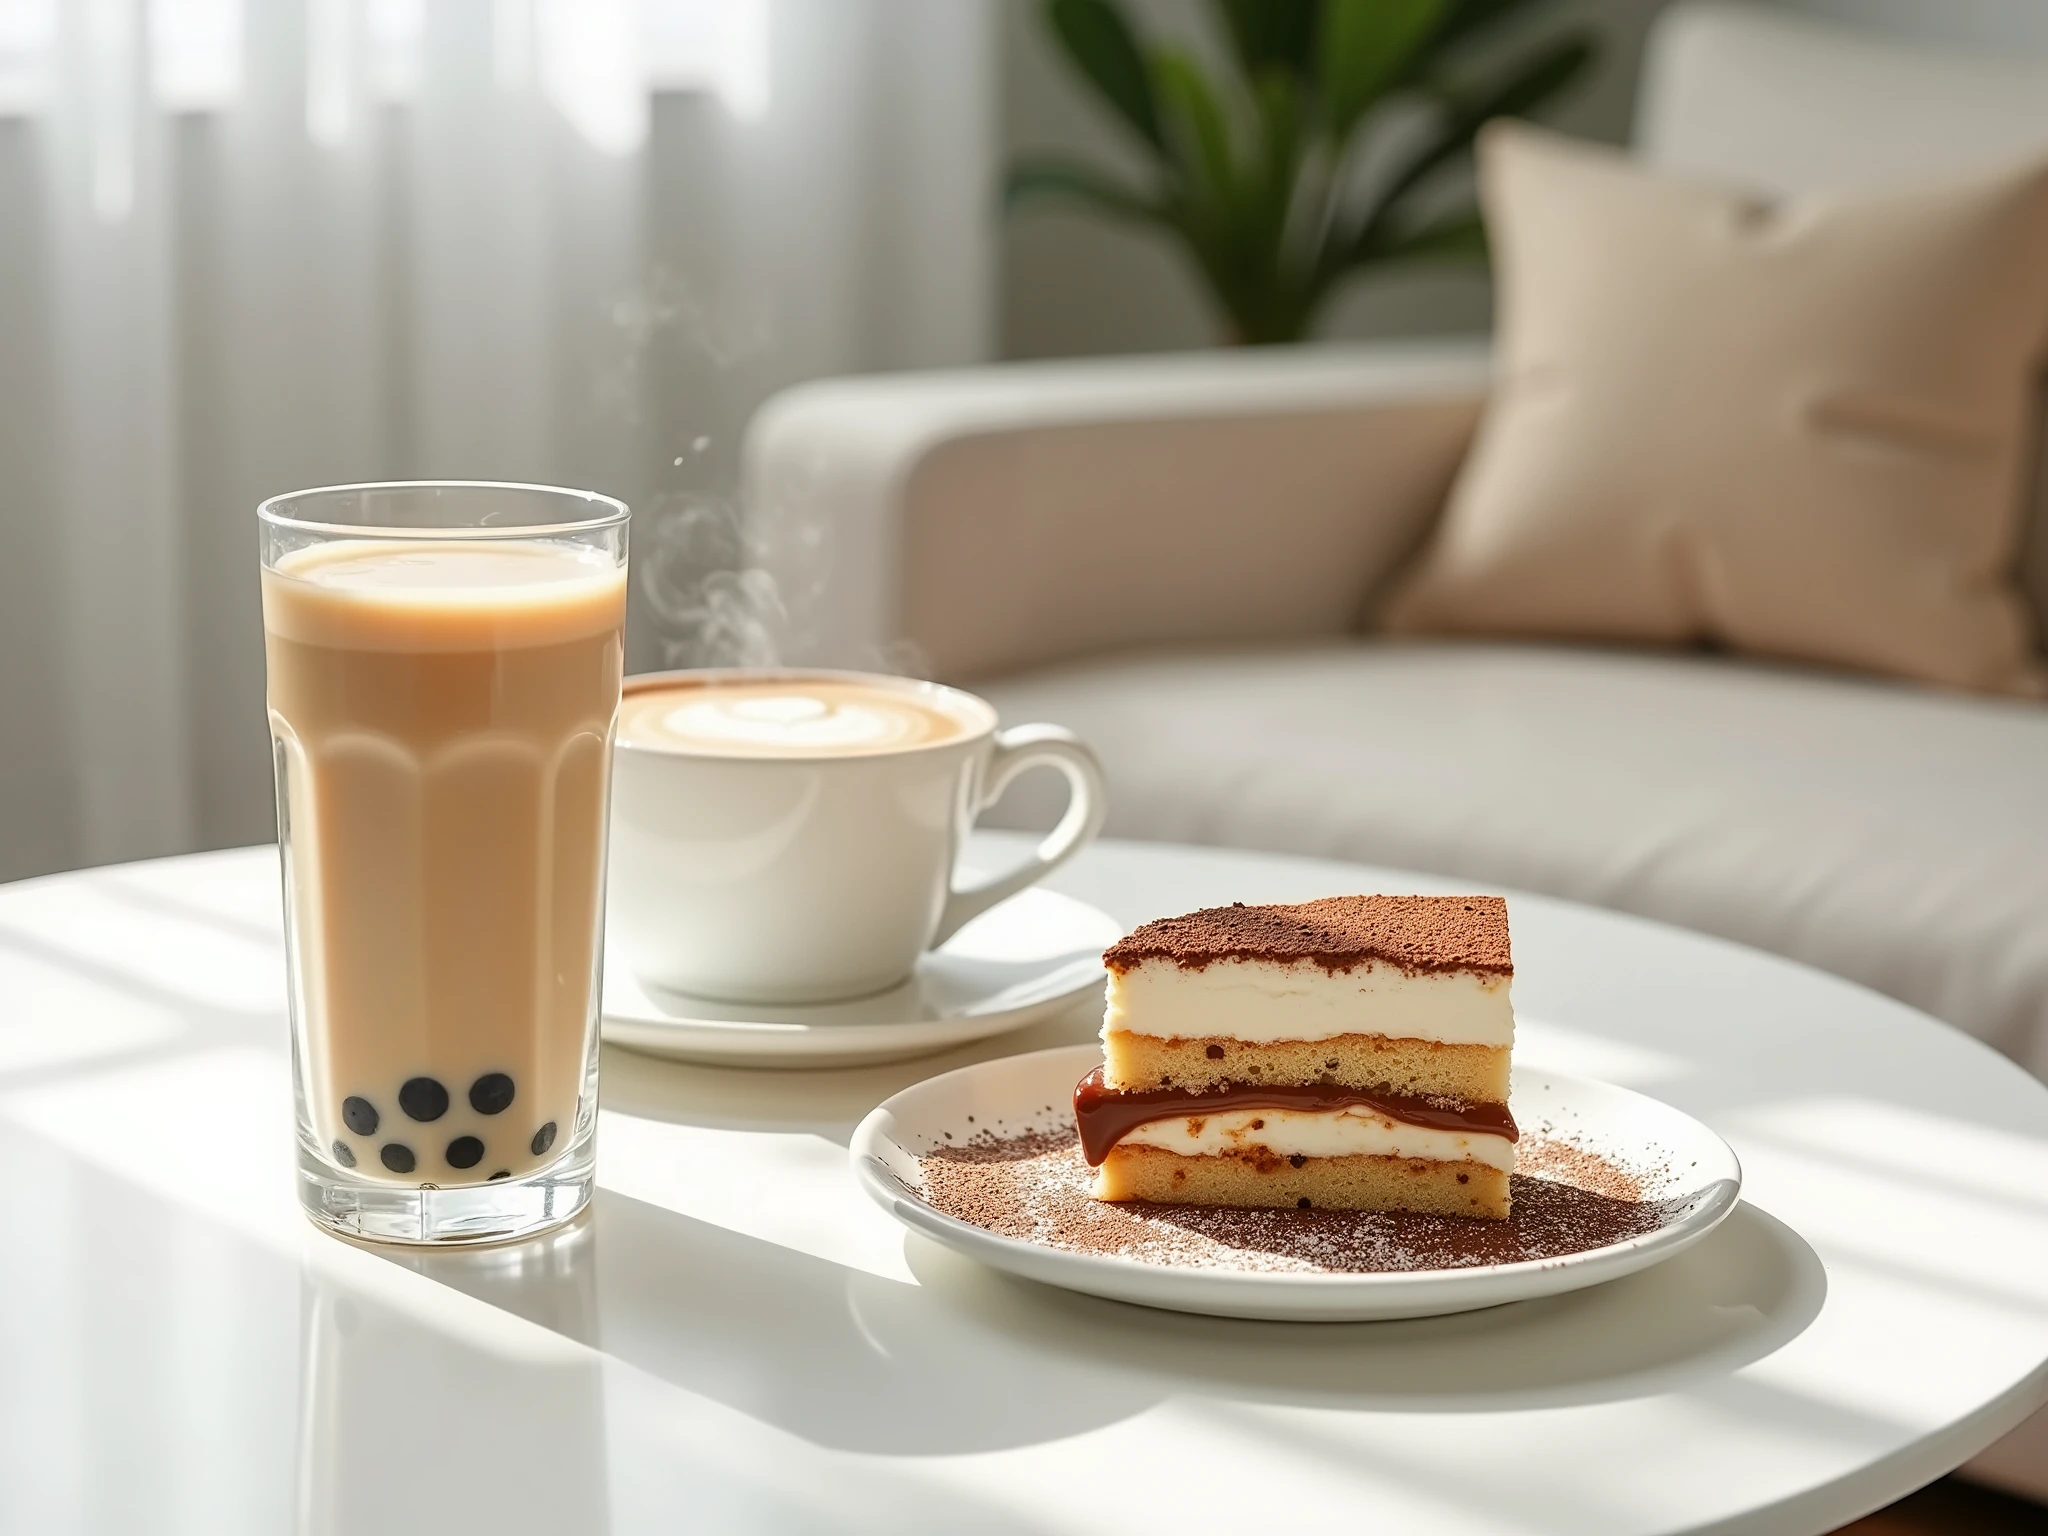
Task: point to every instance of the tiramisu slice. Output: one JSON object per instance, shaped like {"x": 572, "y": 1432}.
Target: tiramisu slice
{"x": 1351, "y": 1052}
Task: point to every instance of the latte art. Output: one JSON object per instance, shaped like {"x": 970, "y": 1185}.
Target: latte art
{"x": 792, "y": 722}
{"x": 789, "y": 719}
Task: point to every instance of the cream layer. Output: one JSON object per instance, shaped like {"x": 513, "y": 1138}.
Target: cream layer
{"x": 1350, "y": 1132}
{"x": 1259, "y": 1000}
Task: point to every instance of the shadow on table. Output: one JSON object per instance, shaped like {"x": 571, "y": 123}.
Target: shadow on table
{"x": 1739, "y": 1295}
{"x": 968, "y": 1360}
{"x": 788, "y": 1338}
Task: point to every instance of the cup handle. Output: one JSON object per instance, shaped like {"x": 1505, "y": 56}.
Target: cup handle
{"x": 1019, "y": 748}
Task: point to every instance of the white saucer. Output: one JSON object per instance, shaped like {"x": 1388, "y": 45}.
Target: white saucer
{"x": 1692, "y": 1167}
{"x": 1034, "y": 955}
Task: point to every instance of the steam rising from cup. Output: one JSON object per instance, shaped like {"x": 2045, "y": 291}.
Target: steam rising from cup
{"x": 714, "y": 606}
{"x": 702, "y": 564}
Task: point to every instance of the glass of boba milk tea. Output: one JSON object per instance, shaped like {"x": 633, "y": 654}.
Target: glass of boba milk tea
{"x": 444, "y": 663}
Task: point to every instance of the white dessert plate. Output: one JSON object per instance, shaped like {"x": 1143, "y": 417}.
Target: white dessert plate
{"x": 1032, "y": 956}
{"x": 1688, "y": 1169}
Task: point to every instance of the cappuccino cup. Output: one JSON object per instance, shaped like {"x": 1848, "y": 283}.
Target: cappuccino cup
{"x": 789, "y": 837}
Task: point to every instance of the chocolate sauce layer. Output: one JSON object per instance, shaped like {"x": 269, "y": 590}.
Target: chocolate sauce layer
{"x": 1106, "y": 1116}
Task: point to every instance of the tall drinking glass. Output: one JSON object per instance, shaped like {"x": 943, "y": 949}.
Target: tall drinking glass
{"x": 444, "y": 665}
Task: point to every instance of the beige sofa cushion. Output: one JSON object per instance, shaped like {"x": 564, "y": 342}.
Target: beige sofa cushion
{"x": 1795, "y": 429}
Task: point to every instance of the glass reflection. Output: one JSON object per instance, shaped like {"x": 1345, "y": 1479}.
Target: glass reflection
{"x": 421, "y": 1411}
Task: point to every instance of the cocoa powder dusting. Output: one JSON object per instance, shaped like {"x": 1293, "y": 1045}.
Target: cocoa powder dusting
{"x": 1035, "y": 1187}
{"x": 1414, "y": 933}
{"x": 1564, "y": 1163}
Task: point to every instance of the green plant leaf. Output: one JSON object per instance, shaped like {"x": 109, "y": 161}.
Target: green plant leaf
{"x": 1208, "y": 167}
{"x": 1452, "y": 140}
{"x": 1268, "y": 34}
{"x": 1280, "y": 160}
{"x": 1462, "y": 234}
{"x": 1465, "y": 28}
{"x": 1104, "y": 50}
{"x": 1252, "y": 159}
{"x": 1468, "y": 18}
{"x": 1054, "y": 180}
{"x": 1530, "y": 84}
{"x": 1276, "y": 101}
{"x": 1524, "y": 90}
{"x": 1363, "y": 48}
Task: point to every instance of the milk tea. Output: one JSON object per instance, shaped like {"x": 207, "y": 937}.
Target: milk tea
{"x": 442, "y": 714}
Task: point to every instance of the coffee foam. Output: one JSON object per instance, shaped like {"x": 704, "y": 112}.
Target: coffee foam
{"x": 797, "y": 718}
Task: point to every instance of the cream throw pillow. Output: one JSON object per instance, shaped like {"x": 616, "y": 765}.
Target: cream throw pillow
{"x": 1792, "y": 429}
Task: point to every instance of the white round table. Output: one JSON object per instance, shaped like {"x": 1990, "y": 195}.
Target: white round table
{"x": 736, "y": 1339}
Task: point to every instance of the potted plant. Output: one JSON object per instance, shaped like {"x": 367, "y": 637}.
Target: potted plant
{"x": 1318, "y": 151}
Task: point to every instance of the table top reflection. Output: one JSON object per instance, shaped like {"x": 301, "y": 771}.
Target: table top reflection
{"x": 734, "y": 1338}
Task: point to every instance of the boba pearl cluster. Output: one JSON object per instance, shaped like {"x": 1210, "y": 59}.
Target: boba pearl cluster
{"x": 422, "y": 1101}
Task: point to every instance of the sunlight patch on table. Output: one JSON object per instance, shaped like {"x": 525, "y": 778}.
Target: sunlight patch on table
{"x": 1540, "y": 1044}
{"x": 56, "y": 1016}
{"x": 210, "y": 1132}
{"x": 183, "y": 959}
{"x": 1968, "y": 1155}
{"x": 1955, "y": 1221}
{"x": 238, "y": 889}
{"x": 1920, "y": 1379}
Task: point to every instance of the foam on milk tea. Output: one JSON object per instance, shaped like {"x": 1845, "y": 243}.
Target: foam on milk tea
{"x": 442, "y": 713}
{"x": 793, "y": 717}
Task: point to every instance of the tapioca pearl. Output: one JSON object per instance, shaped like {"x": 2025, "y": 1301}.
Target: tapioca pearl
{"x": 344, "y": 1154}
{"x": 397, "y": 1156}
{"x": 491, "y": 1094}
{"x": 423, "y": 1098}
{"x": 465, "y": 1152}
{"x": 359, "y": 1115}
{"x": 502, "y": 1173}
{"x": 543, "y": 1139}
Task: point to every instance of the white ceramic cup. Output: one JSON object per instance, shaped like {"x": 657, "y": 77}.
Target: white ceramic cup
{"x": 802, "y": 879}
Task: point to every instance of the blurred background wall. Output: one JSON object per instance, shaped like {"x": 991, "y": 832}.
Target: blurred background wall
{"x": 250, "y": 245}
{"x": 253, "y": 245}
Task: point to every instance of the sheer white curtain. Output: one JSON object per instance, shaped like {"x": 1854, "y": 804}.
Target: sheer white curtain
{"x": 249, "y": 245}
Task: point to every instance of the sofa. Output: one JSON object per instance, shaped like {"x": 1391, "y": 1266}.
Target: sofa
{"x": 1179, "y": 557}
